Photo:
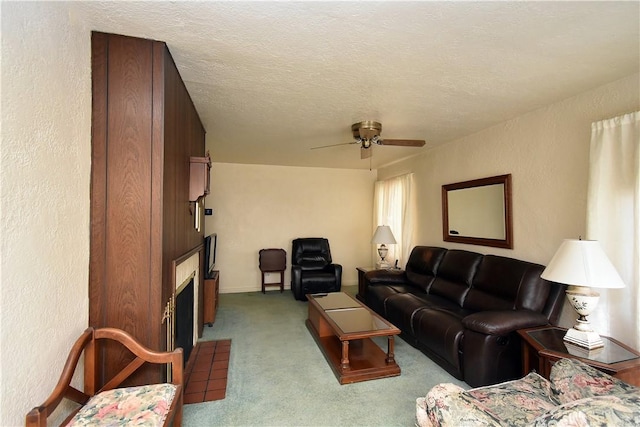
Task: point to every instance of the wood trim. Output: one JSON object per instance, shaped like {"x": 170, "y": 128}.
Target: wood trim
{"x": 99, "y": 87}
{"x": 159, "y": 282}
{"x": 507, "y": 242}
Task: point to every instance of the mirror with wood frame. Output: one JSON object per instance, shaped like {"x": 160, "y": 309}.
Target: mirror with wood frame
{"x": 478, "y": 212}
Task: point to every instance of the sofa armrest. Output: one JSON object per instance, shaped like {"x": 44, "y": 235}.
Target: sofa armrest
{"x": 446, "y": 405}
{"x": 390, "y": 276}
{"x": 503, "y": 322}
{"x": 614, "y": 410}
{"x": 573, "y": 380}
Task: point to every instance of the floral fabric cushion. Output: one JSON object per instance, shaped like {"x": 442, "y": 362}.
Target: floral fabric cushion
{"x": 517, "y": 402}
{"x": 573, "y": 380}
{"x": 619, "y": 410}
{"x": 146, "y": 405}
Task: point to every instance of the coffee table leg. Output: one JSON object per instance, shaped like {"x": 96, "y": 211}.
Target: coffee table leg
{"x": 390, "y": 345}
{"x": 345, "y": 355}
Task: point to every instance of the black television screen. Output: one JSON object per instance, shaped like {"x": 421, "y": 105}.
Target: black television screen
{"x": 210, "y": 245}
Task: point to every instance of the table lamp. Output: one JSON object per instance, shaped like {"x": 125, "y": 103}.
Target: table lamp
{"x": 582, "y": 264}
{"x": 383, "y": 235}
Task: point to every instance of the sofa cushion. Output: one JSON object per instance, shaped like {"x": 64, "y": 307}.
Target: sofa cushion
{"x": 517, "y": 402}
{"x": 449, "y": 290}
{"x": 505, "y": 284}
{"x": 422, "y": 265}
{"x": 441, "y": 332}
{"x": 377, "y": 295}
{"x": 455, "y": 274}
{"x": 399, "y": 310}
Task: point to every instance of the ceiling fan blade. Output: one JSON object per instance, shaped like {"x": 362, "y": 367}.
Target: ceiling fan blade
{"x": 336, "y": 145}
{"x": 402, "y": 142}
{"x": 365, "y": 153}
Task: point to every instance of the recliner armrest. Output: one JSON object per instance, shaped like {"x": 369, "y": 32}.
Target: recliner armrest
{"x": 296, "y": 281}
{"x": 385, "y": 276}
{"x": 503, "y": 322}
{"x": 337, "y": 271}
{"x": 332, "y": 267}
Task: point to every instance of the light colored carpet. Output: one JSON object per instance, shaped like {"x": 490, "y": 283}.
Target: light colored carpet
{"x": 279, "y": 377}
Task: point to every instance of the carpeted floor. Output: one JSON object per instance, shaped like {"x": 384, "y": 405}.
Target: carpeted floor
{"x": 279, "y": 377}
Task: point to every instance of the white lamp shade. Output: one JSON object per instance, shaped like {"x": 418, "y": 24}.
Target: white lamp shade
{"x": 582, "y": 263}
{"x": 383, "y": 235}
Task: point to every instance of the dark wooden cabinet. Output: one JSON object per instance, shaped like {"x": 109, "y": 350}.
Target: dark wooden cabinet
{"x": 199, "y": 177}
{"x": 211, "y": 289}
{"x": 145, "y": 129}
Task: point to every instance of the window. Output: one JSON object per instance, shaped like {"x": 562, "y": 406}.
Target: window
{"x": 613, "y": 218}
{"x": 394, "y": 206}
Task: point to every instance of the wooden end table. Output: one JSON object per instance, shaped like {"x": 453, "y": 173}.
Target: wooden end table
{"x": 543, "y": 346}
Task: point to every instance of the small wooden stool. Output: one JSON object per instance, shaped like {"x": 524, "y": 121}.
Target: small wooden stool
{"x": 273, "y": 261}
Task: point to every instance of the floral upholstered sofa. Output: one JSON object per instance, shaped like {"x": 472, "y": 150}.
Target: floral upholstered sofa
{"x": 576, "y": 395}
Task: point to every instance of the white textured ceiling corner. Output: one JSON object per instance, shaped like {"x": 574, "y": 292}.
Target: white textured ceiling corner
{"x": 270, "y": 80}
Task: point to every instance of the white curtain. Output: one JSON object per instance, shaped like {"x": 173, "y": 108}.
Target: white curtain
{"x": 613, "y": 218}
{"x": 394, "y": 206}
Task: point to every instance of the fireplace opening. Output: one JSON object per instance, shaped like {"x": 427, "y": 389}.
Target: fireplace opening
{"x": 184, "y": 320}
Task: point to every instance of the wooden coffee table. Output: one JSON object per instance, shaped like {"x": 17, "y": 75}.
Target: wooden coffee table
{"x": 343, "y": 328}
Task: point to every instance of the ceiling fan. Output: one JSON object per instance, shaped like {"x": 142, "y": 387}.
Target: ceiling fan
{"x": 367, "y": 133}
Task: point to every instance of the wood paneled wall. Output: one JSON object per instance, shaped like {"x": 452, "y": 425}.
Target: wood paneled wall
{"x": 145, "y": 129}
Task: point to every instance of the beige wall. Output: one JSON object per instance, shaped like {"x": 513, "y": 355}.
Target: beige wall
{"x": 546, "y": 151}
{"x": 46, "y": 163}
{"x": 257, "y": 206}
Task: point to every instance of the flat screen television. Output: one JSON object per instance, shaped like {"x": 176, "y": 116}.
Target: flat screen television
{"x": 210, "y": 251}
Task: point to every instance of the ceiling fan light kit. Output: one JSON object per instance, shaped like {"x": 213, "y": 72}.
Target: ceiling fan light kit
{"x": 366, "y": 131}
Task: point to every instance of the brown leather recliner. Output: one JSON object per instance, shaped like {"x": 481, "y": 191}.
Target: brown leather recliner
{"x": 463, "y": 309}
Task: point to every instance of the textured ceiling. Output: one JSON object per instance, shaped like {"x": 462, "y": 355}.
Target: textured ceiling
{"x": 273, "y": 79}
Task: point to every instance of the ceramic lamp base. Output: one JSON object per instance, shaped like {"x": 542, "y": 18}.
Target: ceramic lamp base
{"x": 587, "y": 353}
{"x": 584, "y": 301}
{"x": 585, "y": 339}
{"x": 382, "y": 265}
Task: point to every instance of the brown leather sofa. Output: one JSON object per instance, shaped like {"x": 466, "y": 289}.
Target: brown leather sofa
{"x": 462, "y": 309}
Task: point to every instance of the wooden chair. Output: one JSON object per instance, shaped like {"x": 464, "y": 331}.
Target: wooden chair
{"x": 272, "y": 261}
{"x": 169, "y": 394}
